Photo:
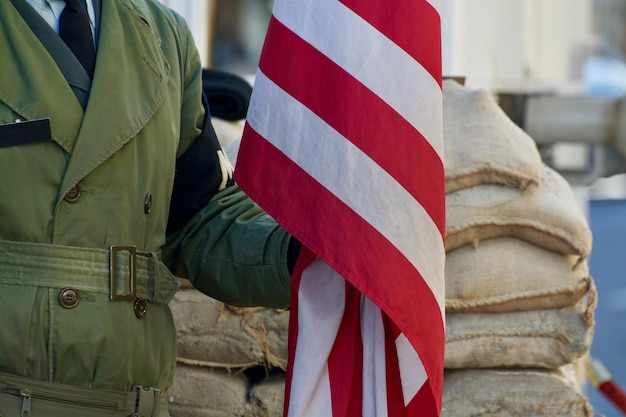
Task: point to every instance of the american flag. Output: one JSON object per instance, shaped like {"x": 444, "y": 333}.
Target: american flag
{"x": 343, "y": 146}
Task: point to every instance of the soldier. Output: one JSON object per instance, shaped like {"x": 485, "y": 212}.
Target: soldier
{"x": 113, "y": 183}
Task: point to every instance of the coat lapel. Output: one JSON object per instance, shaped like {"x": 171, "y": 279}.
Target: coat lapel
{"x": 31, "y": 84}
{"x": 70, "y": 67}
{"x": 127, "y": 89}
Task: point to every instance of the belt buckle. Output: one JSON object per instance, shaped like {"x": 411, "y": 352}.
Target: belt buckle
{"x": 147, "y": 401}
{"x": 132, "y": 267}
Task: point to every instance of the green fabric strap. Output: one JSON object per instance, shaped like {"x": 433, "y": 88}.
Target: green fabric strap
{"x": 86, "y": 269}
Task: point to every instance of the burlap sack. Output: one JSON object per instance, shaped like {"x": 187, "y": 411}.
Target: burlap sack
{"x": 472, "y": 393}
{"x": 482, "y": 144}
{"x": 213, "y": 334}
{"x": 508, "y": 274}
{"x": 513, "y": 393}
{"x": 547, "y": 215}
{"x": 207, "y": 392}
{"x": 521, "y": 339}
{"x": 266, "y": 398}
{"x": 269, "y": 328}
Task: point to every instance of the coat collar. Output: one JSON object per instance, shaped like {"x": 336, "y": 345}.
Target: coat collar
{"x": 128, "y": 86}
{"x": 72, "y": 70}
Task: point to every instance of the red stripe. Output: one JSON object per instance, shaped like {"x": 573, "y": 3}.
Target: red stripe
{"x": 414, "y": 25}
{"x": 395, "y": 399}
{"x": 423, "y": 403}
{"x": 304, "y": 259}
{"x": 395, "y": 330}
{"x": 345, "y": 362}
{"x": 324, "y": 87}
{"x": 352, "y": 247}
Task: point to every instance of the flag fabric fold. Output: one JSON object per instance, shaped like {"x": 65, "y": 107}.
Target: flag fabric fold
{"x": 343, "y": 146}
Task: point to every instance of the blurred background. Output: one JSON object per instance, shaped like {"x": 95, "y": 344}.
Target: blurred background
{"x": 558, "y": 68}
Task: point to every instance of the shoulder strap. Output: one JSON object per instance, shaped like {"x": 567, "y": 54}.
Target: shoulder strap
{"x": 71, "y": 69}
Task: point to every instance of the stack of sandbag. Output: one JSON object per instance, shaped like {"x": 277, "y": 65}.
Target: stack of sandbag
{"x": 519, "y": 298}
{"x": 217, "y": 346}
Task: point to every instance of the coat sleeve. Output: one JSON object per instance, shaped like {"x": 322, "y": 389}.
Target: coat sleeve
{"x": 218, "y": 238}
{"x": 233, "y": 251}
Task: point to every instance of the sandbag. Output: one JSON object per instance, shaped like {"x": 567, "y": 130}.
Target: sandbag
{"x": 213, "y": 334}
{"x": 509, "y": 274}
{"x": 266, "y": 398}
{"x": 547, "y": 338}
{"x": 547, "y": 215}
{"x": 513, "y": 393}
{"x": 473, "y": 393}
{"x": 483, "y": 145}
{"x": 207, "y": 392}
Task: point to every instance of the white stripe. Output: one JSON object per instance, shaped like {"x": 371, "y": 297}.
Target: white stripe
{"x": 373, "y": 59}
{"x": 412, "y": 372}
{"x": 352, "y": 176}
{"x": 374, "y": 366}
{"x": 318, "y": 325}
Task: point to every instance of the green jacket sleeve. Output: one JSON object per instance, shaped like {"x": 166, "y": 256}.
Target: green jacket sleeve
{"x": 233, "y": 251}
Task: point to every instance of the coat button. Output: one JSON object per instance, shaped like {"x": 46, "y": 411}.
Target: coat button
{"x": 147, "y": 203}
{"x": 141, "y": 308}
{"x": 68, "y": 297}
{"x": 73, "y": 194}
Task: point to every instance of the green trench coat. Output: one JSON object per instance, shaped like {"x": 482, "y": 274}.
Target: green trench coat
{"x": 144, "y": 111}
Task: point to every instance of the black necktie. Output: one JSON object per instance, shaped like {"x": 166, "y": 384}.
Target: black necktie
{"x": 75, "y": 30}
